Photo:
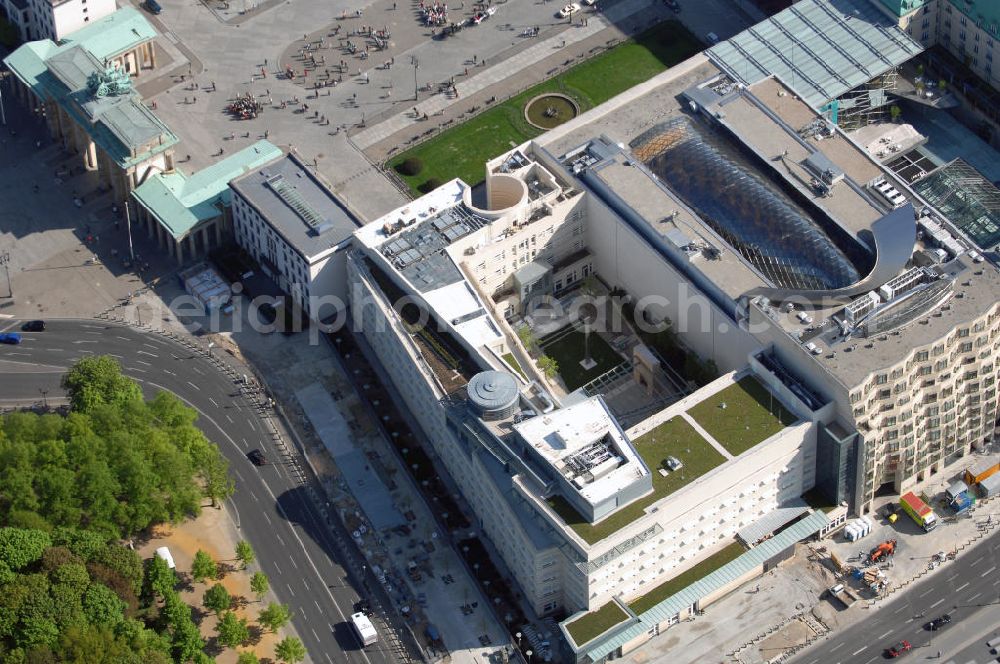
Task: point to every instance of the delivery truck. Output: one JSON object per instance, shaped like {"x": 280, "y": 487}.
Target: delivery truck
{"x": 364, "y": 629}
{"x": 981, "y": 470}
{"x": 919, "y": 511}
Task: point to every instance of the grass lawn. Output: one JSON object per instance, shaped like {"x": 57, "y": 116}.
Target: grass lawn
{"x": 568, "y": 351}
{"x": 590, "y": 626}
{"x": 686, "y": 578}
{"x": 463, "y": 150}
{"x": 514, "y": 364}
{"x": 675, "y": 437}
{"x": 751, "y": 415}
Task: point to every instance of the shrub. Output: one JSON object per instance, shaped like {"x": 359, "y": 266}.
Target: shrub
{"x": 410, "y": 166}
{"x": 430, "y": 185}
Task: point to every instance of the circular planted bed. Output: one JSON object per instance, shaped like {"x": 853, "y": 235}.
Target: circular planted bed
{"x": 550, "y": 110}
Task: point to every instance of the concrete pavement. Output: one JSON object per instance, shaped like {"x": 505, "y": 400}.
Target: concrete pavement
{"x": 968, "y": 589}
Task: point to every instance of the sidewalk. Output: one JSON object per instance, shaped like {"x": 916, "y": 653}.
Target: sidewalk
{"x": 527, "y": 67}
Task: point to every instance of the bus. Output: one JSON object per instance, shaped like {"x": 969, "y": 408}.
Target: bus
{"x": 364, "y": 629}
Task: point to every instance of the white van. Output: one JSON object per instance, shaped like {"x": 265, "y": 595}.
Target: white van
{"x": 164, "y": 553}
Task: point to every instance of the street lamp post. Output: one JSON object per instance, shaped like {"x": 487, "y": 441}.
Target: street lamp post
{"x": 416, "y": 65}
{"x": 45, "y": 400}
{"x": 3, "y": 113}
{"x": 128, "y": 227}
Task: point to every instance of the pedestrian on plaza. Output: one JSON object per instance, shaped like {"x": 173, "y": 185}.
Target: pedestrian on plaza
{"x": 466, "y": 71}
{"x": 475, "y": 59}
{"x": 265, "y": 62}
{"x": 394, "y": 6}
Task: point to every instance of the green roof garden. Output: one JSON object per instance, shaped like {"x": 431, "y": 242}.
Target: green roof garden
{"x": 589, "y": 626}
{"x": 566, "y": 346}
{"x": 686, "y": 578}
{"x": 676, "y": 438}
{"x": 751, "y": 415}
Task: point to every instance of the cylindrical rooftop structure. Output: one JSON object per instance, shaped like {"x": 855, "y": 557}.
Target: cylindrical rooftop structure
{"x": 493, "y": 394}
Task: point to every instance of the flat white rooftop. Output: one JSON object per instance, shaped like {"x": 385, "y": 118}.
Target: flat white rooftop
{"x": 584, "y": 443}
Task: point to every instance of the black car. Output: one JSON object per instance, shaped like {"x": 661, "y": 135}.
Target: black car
{"x": 33, "y": 326}
{"x": 938, "y": 623}
{"x": 257, "y": 458}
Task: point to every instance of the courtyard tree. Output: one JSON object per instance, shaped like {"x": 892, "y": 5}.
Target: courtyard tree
{"x": 233, "y": 631}
{"x": 245, "y": 553}
{"x": 247, "y": 658}
{"x": 548, "y": 366}
{"x": 160, "y": 579}
{"x": 259, "y": 583}
{"x": 274, "y": 617}
{"x": 203, "y": 567}
{"x": 217, "y": 599}
{"x": 290, "y": 650}
{"x": 527, "y": 337}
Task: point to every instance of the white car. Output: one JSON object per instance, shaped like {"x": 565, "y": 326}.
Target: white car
{"x": 569, "y": 10}
{"x": 589, "y": 3}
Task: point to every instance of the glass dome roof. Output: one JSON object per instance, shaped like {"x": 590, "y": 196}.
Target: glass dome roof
{"x": 759, "y": 220}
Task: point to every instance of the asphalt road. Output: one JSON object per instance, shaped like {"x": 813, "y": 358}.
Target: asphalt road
{"x": 270, "y": 506}
{"x": 968, "y": 589}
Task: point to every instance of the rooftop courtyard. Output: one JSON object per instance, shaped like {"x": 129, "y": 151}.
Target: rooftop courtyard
{"x": 742, "y": 415}
{"x": 676, "y": 438}
{"x": 566, "y": 347}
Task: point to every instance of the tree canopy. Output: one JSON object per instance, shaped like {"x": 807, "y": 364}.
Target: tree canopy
{"x": 70, "y": 486}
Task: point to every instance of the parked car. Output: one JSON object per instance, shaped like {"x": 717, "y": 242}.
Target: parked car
{"x": 589, "y": 3}
{"x": 569, "y": 10}
{"x": 33, "y": 326}
{"x": 938, "y": 623}
{"x": 900, "y": 649}
{"x": 12, "y": 338}
{"x": 257, "y": 458}
{"x": 153, "y": 6}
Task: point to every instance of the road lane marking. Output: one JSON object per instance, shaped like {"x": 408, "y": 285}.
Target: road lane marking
{"x": 194, "y": 386}
{"x": 953, "y": 577}
{"x": 268, "y": 518}
{"x": 198, "y": 371}
{"x": 305, "y": 584}
{"x": 974, "y": 596}
{"x": 230, "y": 419}
{"x": 859, "y": 650}
{"x": 123, "y": 338}
{"x": 117, "y": 357}
{"x": 882, "y": 636}
{"x": 289, "y": 586}
{"x": 314, "y": 633}
{"x": 908, "y": 621}
{"x": 254, "y": 496}
{"x": 144, "y": 352}
{"x": 927, "y": 592}
{"x": 244, "y": 443}
{"x": 148, "y": 345}
{"x": 318, "y": 606}
{"x": 89, "y": 332}
{"x": 145, "y": 364}
{"x": 85, "y": 341}
{"x": 839, "y": 645}
{"x": 276, "y": 566}
{"x": 168, "y": 371}
{"x": 292, "y": 560}
{"x": 989, "y": 571}
{"x": 328, "y": 657}
{"x": 901, "y": 609}
{"x": 940, "y": 601}
{"x": 962, "y": 587}
{"x": 137, "y": 369}
{"x": 251, "y": 425}
{"x": 977, "y": 561}
{"x": 279, "y": 539}
{"x": 213, "y": 402}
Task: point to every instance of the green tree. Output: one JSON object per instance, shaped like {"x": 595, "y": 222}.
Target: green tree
{"x": 123, "y": 561}
{"x": 102, "y": 606}
{"x": 527, "y": 337}
{"x": 244, "y": 553}
{"x": 160, "y": 579}
{"x": 894, "y": 112}
{"x": 19, "y": 547}
{"x": 217, "y": 599}
{"x": 232, "y": 631}
{"x": 247, "y": 658}
{"x": 203, "y": 567}
{"x": 259, "y": 584}
{"x": 274, "y": 617}
{"x": 97, "y": 380}
{"x": 290, "y": 650}
{"x": 185, "y": 638}
{"x": 548, "y": 366}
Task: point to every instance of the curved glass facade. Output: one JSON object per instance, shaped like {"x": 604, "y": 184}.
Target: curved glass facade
{"x": 760, "y": 221}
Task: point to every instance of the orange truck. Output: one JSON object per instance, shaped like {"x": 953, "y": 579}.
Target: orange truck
{"x": 981, "y": 470}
